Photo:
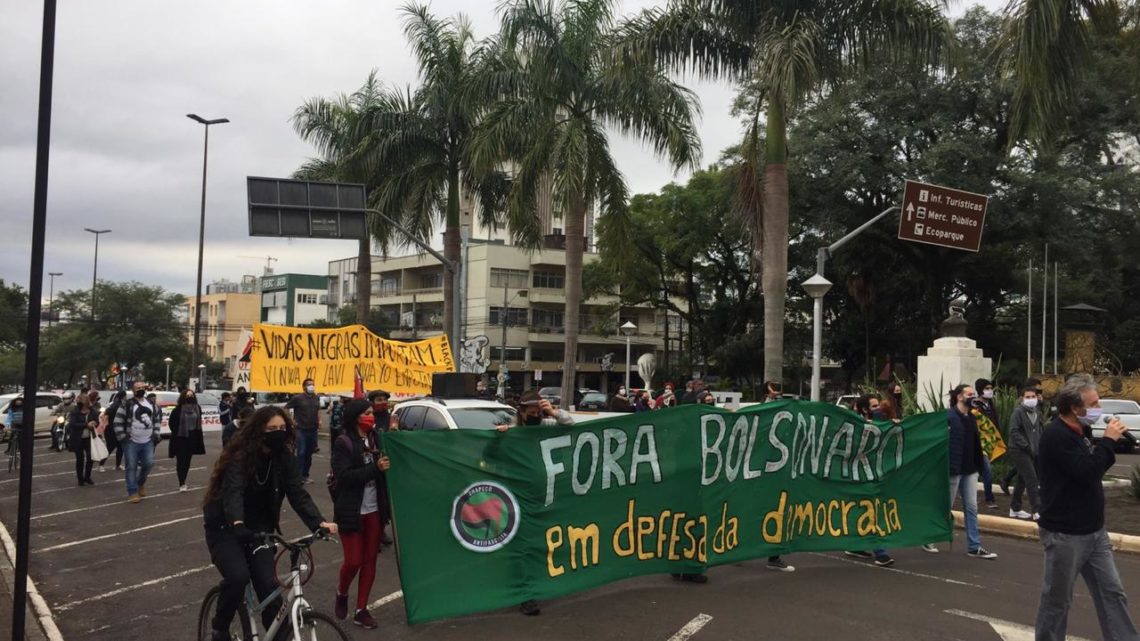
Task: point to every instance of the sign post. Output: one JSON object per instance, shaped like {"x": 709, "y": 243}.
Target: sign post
{"x": 942, "y": 216}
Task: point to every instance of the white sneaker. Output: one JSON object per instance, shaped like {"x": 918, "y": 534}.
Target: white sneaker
{"x": 102, "y": 469}
{"x": 930, "y": 547}
{"x": 1036, "y": 516}
{"x": 183, "y": 488}
{"x": 1020, "y": 514}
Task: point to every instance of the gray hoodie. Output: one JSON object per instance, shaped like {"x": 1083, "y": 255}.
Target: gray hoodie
{"x": 1025, "y": 430}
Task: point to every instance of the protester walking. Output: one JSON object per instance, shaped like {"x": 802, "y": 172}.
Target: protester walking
{"x": 59, "y": 428}
{"x": 667, "y": 398}
{"x": 137, "y": 433}
{"x": 358, "y": 482}
{"x": 109, "y": 417}
{"x": 965, "y": 463}
{"x": 81, "y": 426}
{"x": 383, "y": 417}
{"x": 226, "y": 411}
{"x": 306, "y": 416}
{"x": 772, "y": 392}
{"x": 1071, "y": 527}
{"x": 186, "y": 437}
{"x": 869, "y": 407}
{"x": 231, "y": 428}
{"x": 1025, "y": 427}
{"x": 255, "y": 472}
{"x": 984, "y": 403}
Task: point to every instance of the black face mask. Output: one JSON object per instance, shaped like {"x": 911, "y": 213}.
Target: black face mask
{"x": 533, "y": 420}
{"x": 140, "y": 393}
{"x": 275, "y": 440}
{"x": 878, "y": 415}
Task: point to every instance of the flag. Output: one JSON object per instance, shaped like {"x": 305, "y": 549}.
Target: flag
{"x": 992, "y": 444}
{"x": 358, "y": 385}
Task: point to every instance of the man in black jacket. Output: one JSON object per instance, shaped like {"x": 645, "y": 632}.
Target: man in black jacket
{"x": 1071, "y": 464}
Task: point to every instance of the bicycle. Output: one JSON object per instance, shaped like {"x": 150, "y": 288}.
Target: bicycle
{"x": 296, "y": 612}
{"x": 13, "y": 449}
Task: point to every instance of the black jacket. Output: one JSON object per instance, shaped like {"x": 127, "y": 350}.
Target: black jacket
{"x": 965, "y": 443}
{"x": 352, "y": 474}
{"x": 77, "y": 422}
{"x": 193, "y": 443}
{"x": 1070, "y": 468}
{"x": 259, "y": 504}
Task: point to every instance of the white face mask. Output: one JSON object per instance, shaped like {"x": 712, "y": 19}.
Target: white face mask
{"x": 1029, "y": 403}
{"x": 988, "y": 393}
{"x": 309, "y": 389}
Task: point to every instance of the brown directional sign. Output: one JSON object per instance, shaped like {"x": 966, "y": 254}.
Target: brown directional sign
{"x": 942, "y": 216}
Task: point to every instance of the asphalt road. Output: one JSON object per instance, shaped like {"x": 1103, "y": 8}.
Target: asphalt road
{"x": 115, "y": 571}
{"x": 1124, "y": 465}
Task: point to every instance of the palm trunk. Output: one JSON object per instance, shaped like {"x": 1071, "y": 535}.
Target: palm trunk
{"x": 364, "y": 280}
{"x": 774, "y": 257}
{"x": 451, "y": 251}
{"x": 575, "y": 246}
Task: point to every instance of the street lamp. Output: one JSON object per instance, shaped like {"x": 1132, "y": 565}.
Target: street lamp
{"x": 201, "y": 227}
{"x": 816, "y": 287}
{"x": 503, "y": 345}
{"x": 629, "y": 329}
{"x": 168, "y": 361}
{"x": 51, "y": 295}
{"x": 201, "y": 376}
{"x": 95, "y": 269}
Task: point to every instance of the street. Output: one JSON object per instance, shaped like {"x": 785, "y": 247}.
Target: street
{"x": 1124, "y": 465}
{"x": 115, "y": 571}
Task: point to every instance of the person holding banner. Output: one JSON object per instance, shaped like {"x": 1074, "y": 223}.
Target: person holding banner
{"x": 306, "y": 415}
{"x": 357, "y": 483}
{"x": 965, "y": 464}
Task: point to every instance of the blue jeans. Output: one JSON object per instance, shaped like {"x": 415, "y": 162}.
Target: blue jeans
{"x": 135, "y": 456}
{"x": 1090, "y": 556}
{"x": 967, "y": 487}
{"x": 306, "y": 445}
{"x": 987, "y": 479}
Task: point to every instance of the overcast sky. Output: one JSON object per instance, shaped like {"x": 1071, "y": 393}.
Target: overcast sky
{"x": 124, "y": 156}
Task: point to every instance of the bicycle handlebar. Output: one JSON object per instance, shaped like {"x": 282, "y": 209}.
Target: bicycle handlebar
{"x": 269, "y": 539}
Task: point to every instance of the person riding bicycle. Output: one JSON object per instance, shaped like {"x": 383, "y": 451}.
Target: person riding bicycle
{"x": 255, "y": 472}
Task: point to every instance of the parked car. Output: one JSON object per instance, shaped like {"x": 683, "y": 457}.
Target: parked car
{"x": 1129, "y": 413}
{"x": 211, "y": 418}
{"x": 847, "y": 400}
{"x": 593, "y": 402}
{"x": 429, "y": 413}
{"x": 45, "y": 403}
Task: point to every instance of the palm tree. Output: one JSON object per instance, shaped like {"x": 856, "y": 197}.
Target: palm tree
{"x": 559, "y": 88}
{"x": 1042, "y": 47}
{"x": 338, "y": 128}
{"x": 788, "y": 50}
{"x": 425, "y": 138}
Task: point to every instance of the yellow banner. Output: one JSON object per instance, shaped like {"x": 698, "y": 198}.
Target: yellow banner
{"x": 282, "y": 357}
{"x": 992, "y": 444}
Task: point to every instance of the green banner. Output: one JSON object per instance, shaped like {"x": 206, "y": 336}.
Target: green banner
{"x": 488, "y": 520}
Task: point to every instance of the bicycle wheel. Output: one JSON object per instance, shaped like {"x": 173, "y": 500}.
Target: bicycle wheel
{"x": 320, "y": 626}
{"x": 239, "y": 627}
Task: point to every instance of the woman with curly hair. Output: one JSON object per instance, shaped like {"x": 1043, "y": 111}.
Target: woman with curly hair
{"x": 255, "y": 472}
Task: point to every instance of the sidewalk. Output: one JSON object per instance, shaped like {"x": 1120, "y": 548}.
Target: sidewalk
{"x": 32, "y": 630}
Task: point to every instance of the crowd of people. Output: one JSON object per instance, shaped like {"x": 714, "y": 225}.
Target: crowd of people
{"x": 267, "y": 458}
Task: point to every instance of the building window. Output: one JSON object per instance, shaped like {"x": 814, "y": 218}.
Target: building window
{"x": 548, "y": 319}
{"x": 306, "y": 299}
{"x": 515, "y": 316}
{"x": 513, "y": 354}
{"x": 549, "y": 280}
{"x": 431, "y": 280}
{"x": 509, "y": 278}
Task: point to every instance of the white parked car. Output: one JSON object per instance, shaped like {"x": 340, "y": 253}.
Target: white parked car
{"x": 425, "y": 414}
{"x": 1129, "y": 413}
{"x": 45, "y": 402}
{"x": 211, "y": 421}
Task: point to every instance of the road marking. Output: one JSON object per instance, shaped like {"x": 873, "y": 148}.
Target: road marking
{"x": 62, "y": 546}
{"x": 38, "y": 476}
{"x": 145, "y": 615}
{"x": 384, "y": 600}
{"x": 691, "y": 628}
{"x": 145, "y": 584}
{"x": 919, "y": 575}
{"x": 99, "y": 505}
{"x": 1007, "y": 630}
{"x": 76, "y": 487}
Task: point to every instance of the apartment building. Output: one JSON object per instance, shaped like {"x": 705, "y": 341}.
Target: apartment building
{"x": 223, "y": 316}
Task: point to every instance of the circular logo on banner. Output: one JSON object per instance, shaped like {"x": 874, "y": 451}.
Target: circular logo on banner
{"x": 485, "y": 517}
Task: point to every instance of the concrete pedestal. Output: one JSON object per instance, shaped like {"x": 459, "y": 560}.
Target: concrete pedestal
{"x": 951, "y": 361}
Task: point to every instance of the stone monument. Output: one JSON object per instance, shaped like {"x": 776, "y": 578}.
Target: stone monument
{"x": 953, "y": 359}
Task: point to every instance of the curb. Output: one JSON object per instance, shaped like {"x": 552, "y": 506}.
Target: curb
{"x": 46, "y": 628}
{"x": 1028, "y": 530}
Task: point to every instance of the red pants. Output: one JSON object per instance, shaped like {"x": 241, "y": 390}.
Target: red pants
{"x": 360, "y": 551}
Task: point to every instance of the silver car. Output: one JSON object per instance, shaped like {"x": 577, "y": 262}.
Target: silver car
{"x": 45, "y": 403}
{"x": 1129, "y": 413}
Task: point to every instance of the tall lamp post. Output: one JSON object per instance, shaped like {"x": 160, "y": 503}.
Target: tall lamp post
{"x": 816, "y": 287}
{"x": 201, "y": 227}
{"x": 95, "y": 269}
{"x": 51, "y": 295}
{"x": 629, "y": 329}
{"x": 503, "y": 345}
{"x": 168, "y": 361}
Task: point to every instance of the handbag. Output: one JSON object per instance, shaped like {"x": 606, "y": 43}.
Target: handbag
{"x": 98, "y": 448}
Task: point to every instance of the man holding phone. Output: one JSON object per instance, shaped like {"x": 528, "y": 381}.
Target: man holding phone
{"x": 1071, "y": 464}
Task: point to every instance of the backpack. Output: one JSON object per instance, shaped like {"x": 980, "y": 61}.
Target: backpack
{"x": 330, "y": 480}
